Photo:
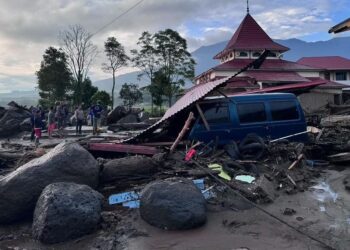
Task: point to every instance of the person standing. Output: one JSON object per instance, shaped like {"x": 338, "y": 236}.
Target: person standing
{"x": 32, "y": 120}
{"x": 51, "y": 125}
{"x": 60, "y": 116}
{"x": 96, "y": 110}
{"x": 79, "y": 116}
{"x": 38, "y": 124}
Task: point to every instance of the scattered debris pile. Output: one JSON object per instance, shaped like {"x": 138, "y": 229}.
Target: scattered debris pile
{"x": 170, "y": 183}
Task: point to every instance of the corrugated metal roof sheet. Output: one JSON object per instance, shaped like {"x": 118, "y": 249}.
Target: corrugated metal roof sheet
{"x": 190, "y": 97}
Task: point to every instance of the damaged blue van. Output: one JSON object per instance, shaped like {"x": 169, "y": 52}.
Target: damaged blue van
{"x": 269, "y": 116}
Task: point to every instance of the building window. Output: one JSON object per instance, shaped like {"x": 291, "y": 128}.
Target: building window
{"x": 243, "y": 54}
{"x": 215, "y": 113}
{"x": 272, "y": 54}
{"x": 340, "y": 76}
{"x": 284, "y": 110}
{"x": 256, "y": 54}
{"x": 251, "y": 112}
{"x": 327, "y": 76}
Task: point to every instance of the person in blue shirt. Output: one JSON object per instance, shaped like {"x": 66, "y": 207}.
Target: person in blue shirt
{"x": 96, "y": 112}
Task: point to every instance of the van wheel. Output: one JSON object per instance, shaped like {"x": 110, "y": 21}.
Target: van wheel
{"x": 252, "y": 147}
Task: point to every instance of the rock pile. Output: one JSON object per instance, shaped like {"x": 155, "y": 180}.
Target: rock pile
{"x": 20, "y": 190}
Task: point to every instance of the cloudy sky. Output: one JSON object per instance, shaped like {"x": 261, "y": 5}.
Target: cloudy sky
{"x": 29, "y": 27}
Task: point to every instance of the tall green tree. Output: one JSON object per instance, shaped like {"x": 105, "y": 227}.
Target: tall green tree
{"x": 166, "y": 51}
{"x": 54, "y": 77}
{"x": 174, "y": 59}
{"x": 130, "y": 94}
{"x": 84, "y": 96}
{"x": 103, "y": 97}
{"x": 157, "y": 87}
{"x": 76, "y": 43}
{"x": 146, "y": 58}
{"x": 116, "y": 58}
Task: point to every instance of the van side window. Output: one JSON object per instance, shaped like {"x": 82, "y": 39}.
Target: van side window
{"x": 215, "y": 112}
{"x": 284, "y": 110}
{"x": 251, "y": 112}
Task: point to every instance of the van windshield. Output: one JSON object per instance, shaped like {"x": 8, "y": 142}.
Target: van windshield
{"x": 284, "y": 110}
{"x": 215, "y": 112}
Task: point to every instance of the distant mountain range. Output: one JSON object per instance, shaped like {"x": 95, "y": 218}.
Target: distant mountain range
{"x": 339, "y": 46}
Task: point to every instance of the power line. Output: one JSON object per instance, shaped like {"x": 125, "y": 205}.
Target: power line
{"x": 119, "y": 16}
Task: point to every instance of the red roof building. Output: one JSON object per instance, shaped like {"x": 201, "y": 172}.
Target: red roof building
{"x": 335, "y": 68}
{"x": 248, "y": 43}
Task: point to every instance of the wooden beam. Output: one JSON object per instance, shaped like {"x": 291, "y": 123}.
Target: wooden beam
{"x": 201, "y": 114}
{"x": 182, "y": 132}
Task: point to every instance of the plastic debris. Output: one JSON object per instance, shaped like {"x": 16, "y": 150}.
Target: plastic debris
{"x": 245, "y": 178}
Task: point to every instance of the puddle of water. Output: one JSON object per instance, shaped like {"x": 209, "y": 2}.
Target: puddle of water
{"x": 323, "y": 192}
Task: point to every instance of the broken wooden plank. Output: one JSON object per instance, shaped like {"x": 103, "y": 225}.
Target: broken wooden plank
{"x": 296, "y": 161}
{"x": 201, "y": 114}
{"x": 123, "y": 148}
{"x": 182, "y": 132}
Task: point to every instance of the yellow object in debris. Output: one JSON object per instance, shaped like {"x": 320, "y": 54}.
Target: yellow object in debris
{"x": 222, "y": 174}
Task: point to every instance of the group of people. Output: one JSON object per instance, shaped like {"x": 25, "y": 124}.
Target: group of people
{"x": 58, "y": 118}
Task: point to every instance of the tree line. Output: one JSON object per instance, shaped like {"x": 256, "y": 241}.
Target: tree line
{"x": 161, "y": 57}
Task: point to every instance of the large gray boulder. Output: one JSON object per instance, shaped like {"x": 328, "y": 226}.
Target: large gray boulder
{"x": 116, "y": 114}
{"x": 119, "y": 169}
{"x": 66, "y": 211}
{"x": 26, "y": 125}
{"x": 10, "y": 122}
{"x": 67, "y": 162}
{"x": 173, "y": 204}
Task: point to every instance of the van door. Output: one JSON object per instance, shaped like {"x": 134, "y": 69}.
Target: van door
{"x": 286, "y": 119}
{"x": 218, "y": 117}
{"x": 251, "y": 117}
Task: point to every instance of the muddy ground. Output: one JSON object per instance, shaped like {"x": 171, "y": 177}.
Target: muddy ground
{"x": 322, "y": 211}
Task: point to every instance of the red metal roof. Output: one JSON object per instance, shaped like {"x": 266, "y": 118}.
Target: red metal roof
{"x": 276, "y": 76}
{"x": 250, "y": 36}
{"x": 326, "y": 62}
{"x": 329, "y": 84}
{"x": 268, "y": 64}
{"x": 193, "y": 95}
